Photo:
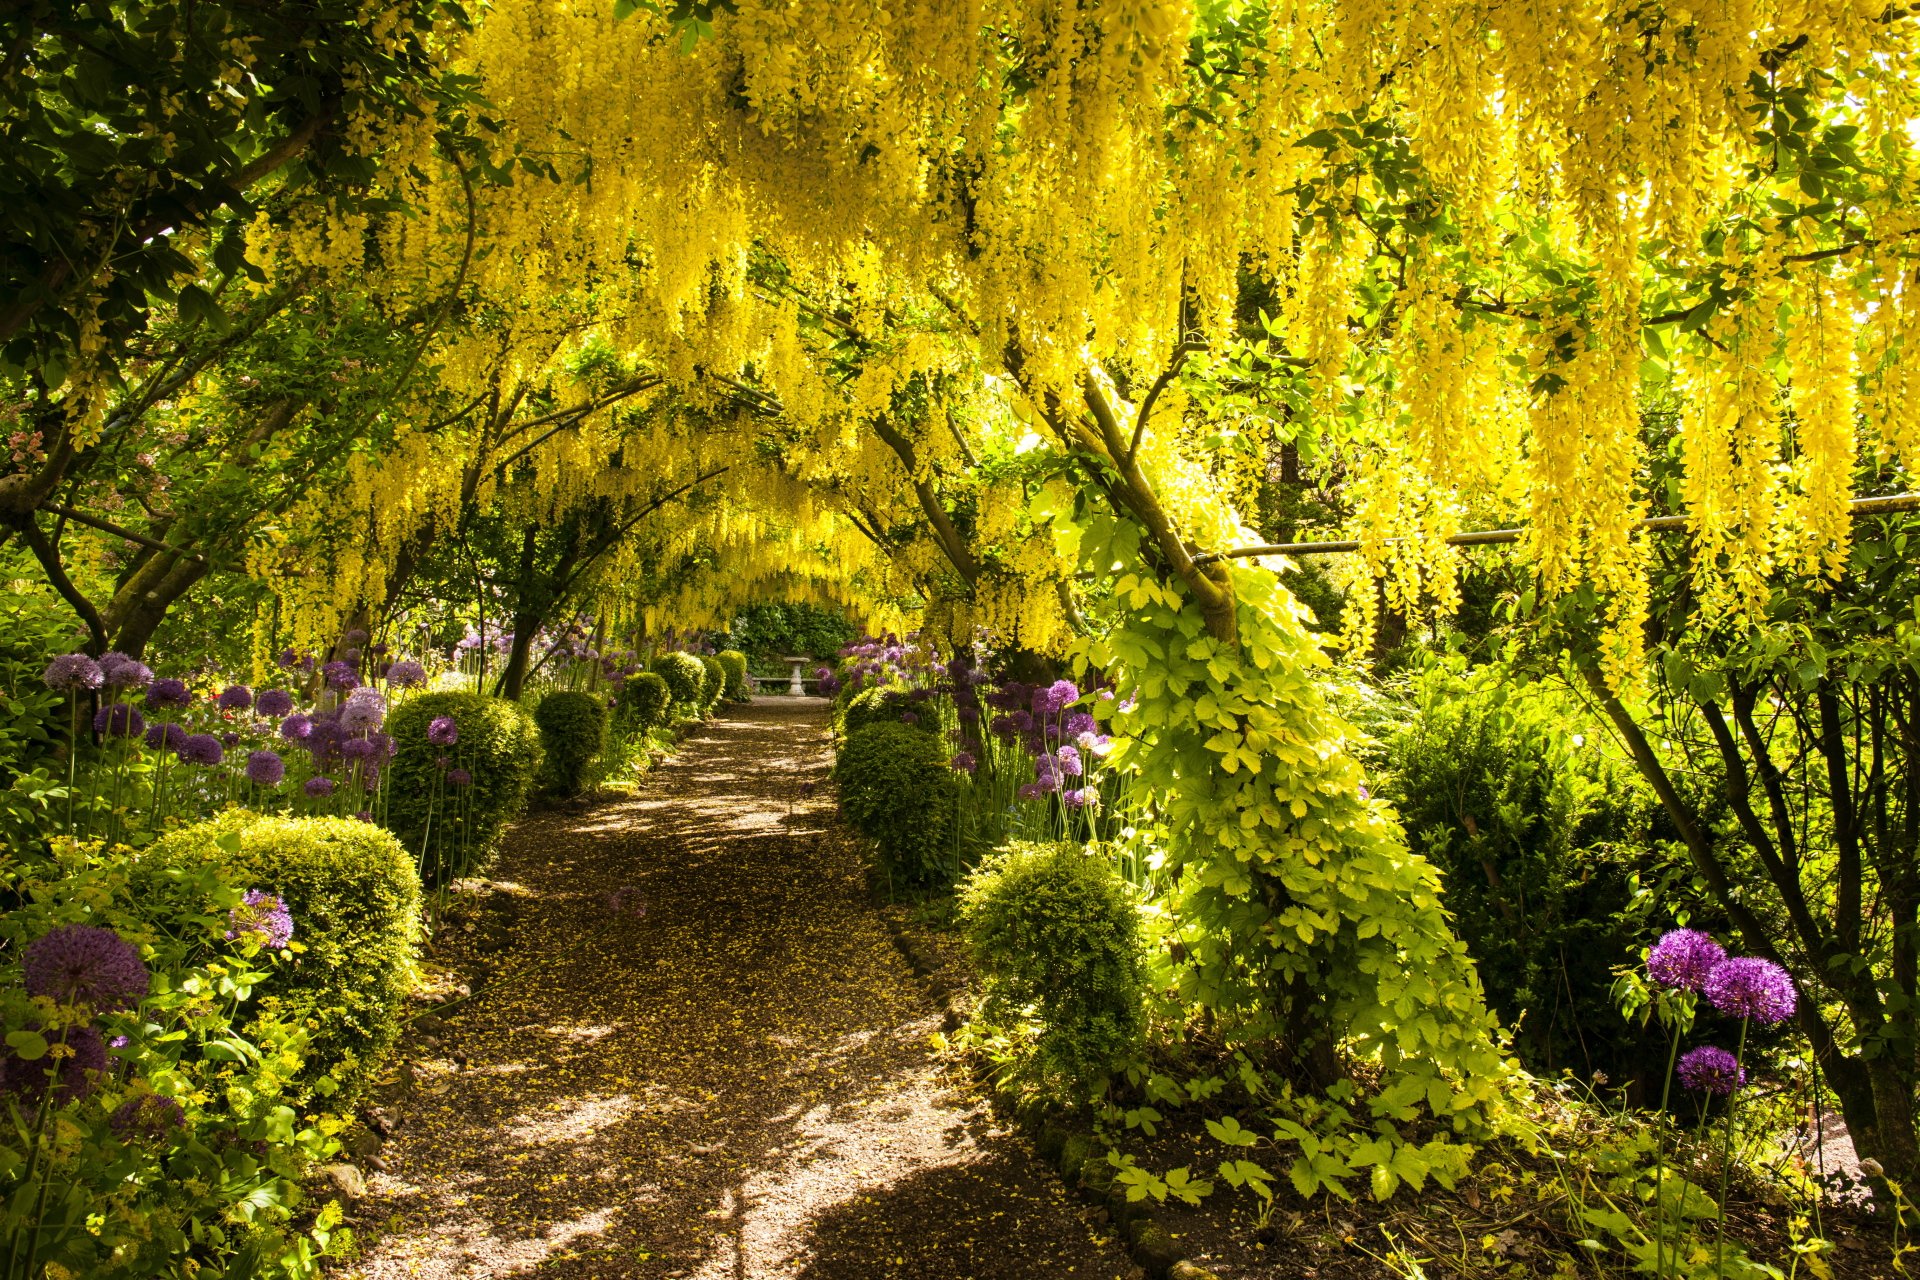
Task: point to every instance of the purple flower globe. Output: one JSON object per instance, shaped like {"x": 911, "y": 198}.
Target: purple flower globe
{"x": 357, "y": 750}
{"x": 263, "y": 918}
{"x": 73, "y": 1077}
{"x": 1062, "y": 694}
{"x": 230, "y": 738}
{"x": 83, "y": 964}
{"x": 963, "y": 762}
{"x": 296, "y": 728}
{"x": 118, "y": 671}
{"x": 356, "y": 636}
{"x": 287, "y": 660}
{"x": 1683, "y": 959}
{"x": 235, "y": 697}
{"x": 265, "y": 768}
{"x": 1069, "y": 761}
{"x": 459, "y": 777}
{"x": 202, "y": 749}
{"x": 1711, "y": 1069}
{"x": 150, "y": 1117}
{"x": 363, "y": 711}
{"x": 1750, "y": 987}
{"x": 165, "y": 734}
{"x": 73, "y": 672}
{"x": 318, "y": 788}
{"x": 273, "y": 703}
{"x": 406, "y": 674}
{"x": 119, "y": 720}
{"x": 340, "y": 675}
{"x": 168, "y": 694}
{"x": 443, "y": 732}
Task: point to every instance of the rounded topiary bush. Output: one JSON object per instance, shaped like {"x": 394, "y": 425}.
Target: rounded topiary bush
{"x": 735, "y": 664}
{"x": 452, "y": 817}
{"x": 573, "y": 733}
{"x": 1056, "y": 934}
{"x": 645, "y": 701}
{"x": 715, "y": 687}
{"x": 882, "y": 706}
{"x": 897, "y": 788}
{"x": 354, "y": 896}
{"x": 686, "y": 678}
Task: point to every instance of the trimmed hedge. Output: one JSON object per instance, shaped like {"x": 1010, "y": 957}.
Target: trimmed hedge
{"x": 499, "y": 747}
{"x": 883, "y": 706}
{"x": 1057, "y": 935}
{"x": 715, "y": 687}
{"x": 573, "y": 733}
{"x": 897, "y": 788}
{"x": 645, "y": 701}
{"x": 735, "y": 663}
{"x": 686, "y": 678}
{"x": 354, "y": 896}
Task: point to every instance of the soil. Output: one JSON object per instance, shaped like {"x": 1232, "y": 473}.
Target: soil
{"x": 692, "y": 1050}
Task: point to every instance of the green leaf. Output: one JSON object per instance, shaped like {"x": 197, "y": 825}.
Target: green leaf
{"x": 29, "y": 1046}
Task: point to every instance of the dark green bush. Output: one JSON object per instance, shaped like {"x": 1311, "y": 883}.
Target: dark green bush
{"x": 354, "y": 896}
{"x": 449, "y": 828}
{"x": 882, "y": 706}
{"x": 573, "y": 732}
{"x": 1509, "y": 789}
{"x": 686, "y": 678}
{"x": 715, "y": 687}
{"x": 897, "y": 788}
{"x": 644, "y": 702}
{"x": 1056, "y": 934}
{"x": 735, "y": 663}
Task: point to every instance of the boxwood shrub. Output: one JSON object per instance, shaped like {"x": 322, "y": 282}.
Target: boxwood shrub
{"x": 735, "y": 664}
{"x": 451, "y": 828}
{"x": 896, "y": 788}
{"x": 1056, "y": 934}
{"x": 715, "y": 687}
{"x": 354, "y": 896}
{"x": 686, "y": 678}
{"x": 881, "y": 706}
{"x": 573, "y": 733}
{"x": 644, "y": 702}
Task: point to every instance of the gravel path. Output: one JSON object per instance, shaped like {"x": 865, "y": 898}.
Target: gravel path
{"x": 736, "y": 1084}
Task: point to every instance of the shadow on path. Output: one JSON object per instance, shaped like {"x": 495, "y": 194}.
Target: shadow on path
{"x": 737, "y": 1085}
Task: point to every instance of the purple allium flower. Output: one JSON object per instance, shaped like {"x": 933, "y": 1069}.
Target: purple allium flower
{"x": 1062, "y": 694}
{"x": 318, "y": 788}
{"x": 1078, "y": 723}
{"x": 363, "y": 711}
{"x": 235, "y": 697}
{"x": 118, "y": 671}
{"x": 1711, "y": 1069}
{"x": 265, "y": 768}
{"x": 1034, "y": 791}
{"x": 443, "y": 732}
{"x": 74, "y": 1075}
{"x": 364, "y": 815}
{"x": 230, "y": 738}
{"x": 1683, "y": 958}
{"x": 1069, "y": 761}
{"x": 149, "y": 1116}
{"x": 165, "y": 734}
{"x": 908, "y": 717}
{"x": 356, "y": 636}
{"x": 340, "y": 675}
{"x": 406, "y": 674}
{"x": 969, "y": 715}
{"x": 273, "y": 703}
{"x": 84, "y": 964}
{"x": 963, "y": 762}
{"x": 288, "y": 659}
{"x": 119, "y": 720}
{"x": 296, "y": 727}
{"x": 459, "y": 777}
{"x": 357, "y": 751}
{"x": 1077, "y": 797}
{"x": 202, "y": 748}
{"x": 352, "y": 655}
{"x": 71, "y": 672}
{"x": 379, "y": 650}
{"x": 261, "y": 917}
{"x": 1750, "y": 987}
{"x": 168, "y": 693}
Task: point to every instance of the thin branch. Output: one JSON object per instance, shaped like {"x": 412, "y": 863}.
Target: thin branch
{"x": 1167, "y": 375}
{"x": 108, "y": 526}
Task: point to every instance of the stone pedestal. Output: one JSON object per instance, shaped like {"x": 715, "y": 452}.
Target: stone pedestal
{"x": 798, "y": 686}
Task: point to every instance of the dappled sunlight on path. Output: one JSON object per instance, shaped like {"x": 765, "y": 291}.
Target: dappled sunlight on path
{"x": 738, "y": 1084}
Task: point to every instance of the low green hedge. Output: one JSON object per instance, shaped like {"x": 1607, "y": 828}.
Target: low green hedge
{"x": 354, "y": 896}
{"x": 573, "y": 733}
{"x": 452, "y": 828}
{"x": 897, "y": 788}
{"x": 882, "y": 706}
{"x": 715, "y": 687}
{"x": 1056, "y": 934}
{"x": 645, "y": 702}
{"x": 735, "y": 664}
{"x": 686, "y": 678}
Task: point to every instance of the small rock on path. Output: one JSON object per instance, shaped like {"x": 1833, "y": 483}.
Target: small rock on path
{"x": 736, "y": 1084}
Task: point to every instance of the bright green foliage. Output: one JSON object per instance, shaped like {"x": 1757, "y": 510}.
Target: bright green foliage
{"x": 686, "y": 678}
{"x": 354, "y": 896}
{"x": 573, "y": 731}
{"x": 1304, "y": 916}
{"x": 735, "y": 664}
{"x": 218, "y": 1194}
{"x": 896, "y": 788}
{"x": 644, "y": 701}
{"x": 1537, "y": 831}
{"x": 766, "y": 633}
{"x": 1056, "y": 933}
{"x": 714, "y": 686}
{"x": 499, "y": 746}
